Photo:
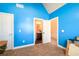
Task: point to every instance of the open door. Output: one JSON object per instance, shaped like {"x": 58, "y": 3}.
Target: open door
{"x": 42, "y": 31}
{"x": 7, "y": 29}
{"x": 54, "y": 31}
{"x": 46, "y": 31}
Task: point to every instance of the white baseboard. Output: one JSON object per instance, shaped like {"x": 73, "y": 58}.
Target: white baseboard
{"x": 61, "y": 47}
{"x": 8, "y": 49}
{"x": 23, "y": 46}
{"x": 33, "y": 45}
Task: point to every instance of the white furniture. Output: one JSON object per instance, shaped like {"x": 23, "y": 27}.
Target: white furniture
{"x": 73, "y": 50}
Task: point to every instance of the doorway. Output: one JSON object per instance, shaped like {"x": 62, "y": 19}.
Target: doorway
{"x": 38, "y": 31}
{"x": 41, "y": 31}
{"x": 54, "y": 31}
{"x": 7, "y": 29}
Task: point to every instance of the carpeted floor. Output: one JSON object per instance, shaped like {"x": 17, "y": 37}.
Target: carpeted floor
{"x": 39, "y": 50}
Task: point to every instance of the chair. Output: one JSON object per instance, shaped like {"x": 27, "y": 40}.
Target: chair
{"x": 3, "y": 46}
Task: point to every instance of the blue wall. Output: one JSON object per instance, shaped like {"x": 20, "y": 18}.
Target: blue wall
{"x": 69, "y": 21}
{"x": 23, "y": 21}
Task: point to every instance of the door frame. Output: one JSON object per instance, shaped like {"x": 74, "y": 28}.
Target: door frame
{"x": 57, "y": 28}
{"x": 12, "y": 28}
{"x": 35, "y": 30}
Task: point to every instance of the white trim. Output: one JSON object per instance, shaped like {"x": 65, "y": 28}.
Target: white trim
{"x": 34, "y": 29}
{"x": 61, "y": 46}
{"x": 57, "y": 30}
{"x": 24, "y": 46}
{"x": 13, "y": 30}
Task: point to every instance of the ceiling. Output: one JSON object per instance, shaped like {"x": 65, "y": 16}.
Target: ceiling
{"x": 51, "y": 7}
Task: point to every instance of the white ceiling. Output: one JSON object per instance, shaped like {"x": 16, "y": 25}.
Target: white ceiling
{"x": 51, "y": 7}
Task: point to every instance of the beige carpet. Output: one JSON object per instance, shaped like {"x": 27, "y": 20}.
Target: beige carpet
{"x": 40, "y": 50}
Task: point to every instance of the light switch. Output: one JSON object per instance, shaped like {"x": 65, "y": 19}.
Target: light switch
{"x": 62, "y": 30}
{"x": 23, "y": 41}
{"x": 19, "y": 30}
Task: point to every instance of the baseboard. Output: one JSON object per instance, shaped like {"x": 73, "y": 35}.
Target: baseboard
{"x": 8, "y": 49}
{"x": 61, "y": 47}
{"x": 23, "y": 46}
{"x": 32, "y": 45}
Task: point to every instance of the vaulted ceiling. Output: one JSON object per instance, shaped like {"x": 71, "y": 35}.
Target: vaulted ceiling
{"x": 51, "y": 7}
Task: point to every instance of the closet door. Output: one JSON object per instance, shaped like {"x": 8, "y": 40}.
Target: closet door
{"x": 7, "y": 29}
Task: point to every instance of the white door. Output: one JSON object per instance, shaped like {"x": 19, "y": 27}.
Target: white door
{"x": 46, "y": 31}
{"x": 7, "y": 28}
